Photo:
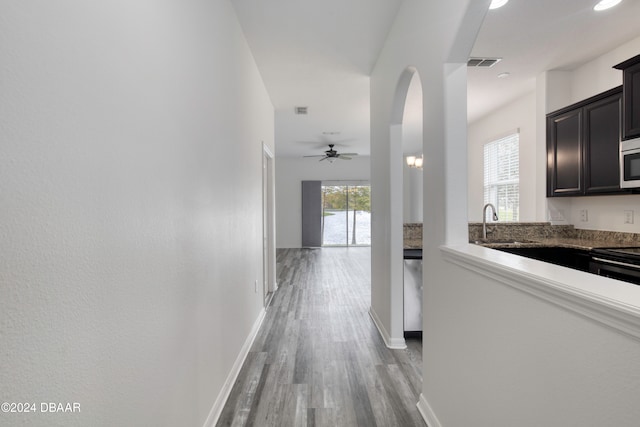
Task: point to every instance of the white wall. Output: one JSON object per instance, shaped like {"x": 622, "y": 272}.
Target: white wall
{"x": 511, "y": 356}
{"x": 496, "y": 353}
{"x": 413, "y": 198}
{"x": 599, "y": 75}
{"x": 605, "y": 212}
{"x": 420, "y": 40}
{"x": 556, "y": 89}
{"x": 130, "y": 174}
{"x": 290, "y": 173}
{"x": 520, "y": 114}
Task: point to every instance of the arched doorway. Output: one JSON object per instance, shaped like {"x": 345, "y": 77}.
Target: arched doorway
{"x": 405, "y": 186}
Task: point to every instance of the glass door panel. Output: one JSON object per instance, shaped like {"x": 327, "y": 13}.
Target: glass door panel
{"x": 346, "y": 215}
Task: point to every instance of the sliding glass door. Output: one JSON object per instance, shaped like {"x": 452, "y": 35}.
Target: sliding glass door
{"x": 346, "y": 214}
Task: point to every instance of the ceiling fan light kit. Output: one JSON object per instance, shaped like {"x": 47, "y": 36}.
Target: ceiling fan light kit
{"x": 415, "y": 162}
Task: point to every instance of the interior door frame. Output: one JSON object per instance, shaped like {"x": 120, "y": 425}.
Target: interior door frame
{"x": 269, "y": 284}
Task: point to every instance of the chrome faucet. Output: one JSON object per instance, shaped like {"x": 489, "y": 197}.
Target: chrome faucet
{"x": 484, "y": 218}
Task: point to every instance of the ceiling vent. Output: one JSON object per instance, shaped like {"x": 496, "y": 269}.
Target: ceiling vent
{"x": 301, "y": 110}
{"x": 483, "y": 62}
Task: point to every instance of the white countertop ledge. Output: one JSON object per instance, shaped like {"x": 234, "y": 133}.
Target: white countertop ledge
{"x": 613, "y": 303}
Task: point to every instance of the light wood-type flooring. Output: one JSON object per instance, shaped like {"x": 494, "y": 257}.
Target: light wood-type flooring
{"x": 318, "y": 359}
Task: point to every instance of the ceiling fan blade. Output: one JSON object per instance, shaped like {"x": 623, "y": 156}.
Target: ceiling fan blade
{"x": 332, "y": 154}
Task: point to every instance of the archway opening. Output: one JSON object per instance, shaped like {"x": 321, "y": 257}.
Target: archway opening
{"x": 406, "y": 184}
{"x": 412, "y": 152}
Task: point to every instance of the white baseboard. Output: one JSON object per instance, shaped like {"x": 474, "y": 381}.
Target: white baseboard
{"x": 393, "y": 343}
{"x": 427, "y": 413}
{"x": 218, "y": 405}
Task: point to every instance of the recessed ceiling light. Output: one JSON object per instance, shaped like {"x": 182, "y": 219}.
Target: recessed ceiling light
{"x": 605, "y": 4}
{"x": 497, "y": 3}
{"x": 504, "y": 75}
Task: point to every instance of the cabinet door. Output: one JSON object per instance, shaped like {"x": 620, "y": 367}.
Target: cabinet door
{"x": 631, "y": 122}
{"x": 564, "y": 154}
{"x": 601, "y": 145}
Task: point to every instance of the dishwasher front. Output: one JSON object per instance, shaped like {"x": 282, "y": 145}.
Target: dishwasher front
{"x": 412, "y": 292}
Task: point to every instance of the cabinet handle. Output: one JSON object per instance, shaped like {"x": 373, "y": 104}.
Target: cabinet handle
{"x": 622, "y": 264}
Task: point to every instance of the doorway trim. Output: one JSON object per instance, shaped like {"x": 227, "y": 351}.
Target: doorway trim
{"x": 269, "y": 284}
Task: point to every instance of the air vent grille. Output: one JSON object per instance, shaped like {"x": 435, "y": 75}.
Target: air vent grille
{"x": 301, "y": 110}
{"x": 483, "y": 62}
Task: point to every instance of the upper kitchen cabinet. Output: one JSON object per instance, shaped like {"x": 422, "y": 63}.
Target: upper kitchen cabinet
{"x": 564, "y": 153}
{"x": 583, "y": 147}
{"x": 602, "y": 145}
{"x": 631, "y": 98}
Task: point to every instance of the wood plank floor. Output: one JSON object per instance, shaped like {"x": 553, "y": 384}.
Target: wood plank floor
{"x": 318, "y": 359}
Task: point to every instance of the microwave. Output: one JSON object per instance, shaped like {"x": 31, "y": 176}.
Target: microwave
{"x": 630, "y": 163}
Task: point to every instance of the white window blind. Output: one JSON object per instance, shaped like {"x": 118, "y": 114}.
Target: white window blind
{"x": 502, "y": 176}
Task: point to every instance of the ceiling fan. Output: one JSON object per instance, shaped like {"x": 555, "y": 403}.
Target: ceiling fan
{"x": 332, "y": 155}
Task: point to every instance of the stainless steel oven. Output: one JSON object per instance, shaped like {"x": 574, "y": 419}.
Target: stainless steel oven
{"x": 617, "y": 263}
{"x": 630, "y": 163}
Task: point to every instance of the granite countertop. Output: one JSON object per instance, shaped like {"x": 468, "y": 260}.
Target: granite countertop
{"x": 413, "y": 243}
{"x": 556, "y": 242}
{"x": 541, "y": 235}
{"x": 533, "y": 235}
{"x": 539, "y": 242}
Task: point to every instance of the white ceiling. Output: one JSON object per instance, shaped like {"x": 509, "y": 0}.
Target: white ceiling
{"x": 534, "y": 36}
{"x": 319, "y": 54}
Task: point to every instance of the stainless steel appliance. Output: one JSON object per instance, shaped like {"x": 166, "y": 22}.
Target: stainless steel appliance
{"x": 412, "y": 292}
{"x": 630, "y": 163}
{"x": 617, "y": 263}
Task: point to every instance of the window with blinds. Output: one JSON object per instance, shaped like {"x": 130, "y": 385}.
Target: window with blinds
{"x": 502, "y": 176}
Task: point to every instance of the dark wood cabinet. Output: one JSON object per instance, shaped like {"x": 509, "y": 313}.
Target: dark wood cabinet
{"x": 631, "y": 97}
{"x": 602, "y": 145}
{"x": 564, "y": 153}
{"x": 577, "y": 259}
{"x": 583, "y": 147}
